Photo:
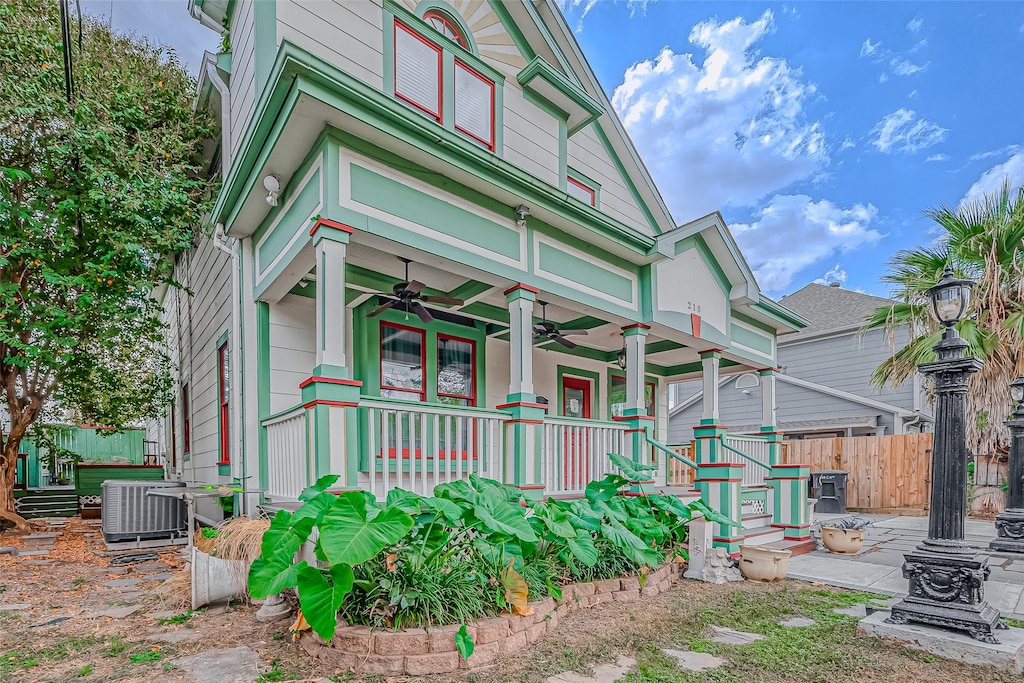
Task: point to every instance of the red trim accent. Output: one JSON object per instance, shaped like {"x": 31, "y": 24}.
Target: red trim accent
{"x": 538, "y": 487}
{"x": 186, "y": 422}
{"x": 712, "y": 350}
{"x": 522, "y": 404}
{"x": 417, "y": 454}
{"x": 760, "y": 433}
{"x": 146, "y": 467}
{"x": 709, "y": 427}
{"x": 695, "y": 324}
{"x": 625, "y": 418}
{"x": 797, "y": 538}
{"x": 337, "y": 404}
{"x": 716, "y": 481}
{"x": 489, "y": 144}
{"x": 786, "y": 478}
{"x": 786, "y": 464}
{"x": 472, "y": 365}
{"x": 328, "y": 223}
{"x": 634, "y": 325}
{"x": 447, "y": 23}
{"x": 528, "y": 288}
{"x": 635, "y": 431}
{"x": 791, "y": 526}
{"x": 223, "y": 408}
{"x": 588, "y": 190}
{"x": 524, "y": 422}
{"x": 719, "y": 464}
{"x": 724, "y": 539}
{"x": 767, "y": 369}
{"x": 330, "y": 380}
{"x": 579, "y": 384}
{"x": 439, "y": 114}
{"x": 422, "y": 393}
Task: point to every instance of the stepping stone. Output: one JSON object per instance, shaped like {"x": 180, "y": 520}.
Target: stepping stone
{"x": 162, "y": 576}
{"x": 796, "y": 622}
{"x": 113, "y": 612}
{"x": 152, "y": 567}
{"x": 884, "y": 602}
{"x": 8, "y": 550}
{"x": 129, "y": 596}
{"x": 167, "y": 614}
{"x": 38, "y": 563}
{"x": 605, "y": 673}
{"x": 728, "y": 636}
{"x": 694, "y": 661}
{"x": 123, "y": 583}
{"x": 187, "y": 635}
{"x": 237, "y": 665}
{"x": 116, "y": 571}
{"x": 858, "y": 611}
{"x": 15, "y": 606}
{"x": 28, "y": 553}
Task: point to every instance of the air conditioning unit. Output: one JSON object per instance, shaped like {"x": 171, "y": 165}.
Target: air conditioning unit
{"x": 129, "y": 513}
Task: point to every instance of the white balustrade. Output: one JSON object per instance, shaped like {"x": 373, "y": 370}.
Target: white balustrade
{"x": 575, "y": 453}
{"x": 756, "y": 449}
{"x": 416, "y": 447}
{"x": 679, "y": 473}
{"x": 287, "y": 459}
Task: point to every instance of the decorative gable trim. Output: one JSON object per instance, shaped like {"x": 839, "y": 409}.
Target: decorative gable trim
{"x": 542, "y": 80}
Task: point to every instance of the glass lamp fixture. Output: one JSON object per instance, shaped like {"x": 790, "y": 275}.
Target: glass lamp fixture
{"x": 950, "y": 298}
{"x": 1017, "y": 390}
{"x": 620, "y": 357}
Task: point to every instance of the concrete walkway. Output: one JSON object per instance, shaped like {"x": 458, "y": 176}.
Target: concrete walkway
{"x": 877, "y": 567}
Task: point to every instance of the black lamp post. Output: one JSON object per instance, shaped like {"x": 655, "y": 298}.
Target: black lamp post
{"x": 947, "y": 577}
{"x": 1010, "y": 523}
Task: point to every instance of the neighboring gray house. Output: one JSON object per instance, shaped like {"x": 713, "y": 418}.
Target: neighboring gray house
{"x": 823, "y": 385}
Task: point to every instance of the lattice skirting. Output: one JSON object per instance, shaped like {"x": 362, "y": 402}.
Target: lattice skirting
{"x": 90, "y": 500}
{"x": 753, "y": 507}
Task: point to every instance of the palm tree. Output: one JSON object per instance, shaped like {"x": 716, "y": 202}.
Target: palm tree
{"x": 983, "y": 240}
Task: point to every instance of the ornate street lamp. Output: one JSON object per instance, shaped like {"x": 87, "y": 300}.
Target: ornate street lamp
{"x": 1010, "y": 522}
{"x": 620, "y": 357}
{"x": 947, "y": 577}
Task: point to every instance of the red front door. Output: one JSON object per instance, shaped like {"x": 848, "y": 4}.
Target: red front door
{"x": 575, "y": 447}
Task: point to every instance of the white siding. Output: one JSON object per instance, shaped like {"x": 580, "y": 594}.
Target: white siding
{"x": 530, "y": 136}
{"x": 345, "y": 34}
{"x": 587, "y": 155}
{"x": 292, "y": 349}
{"x": 243, "y": 72}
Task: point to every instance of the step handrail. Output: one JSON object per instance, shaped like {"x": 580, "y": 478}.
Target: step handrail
{"x": 671, "y": 453}
{"x": 742, "y": 454}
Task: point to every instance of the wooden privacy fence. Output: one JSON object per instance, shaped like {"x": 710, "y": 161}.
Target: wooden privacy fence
{"x": 986, "y": 493}
{"x": 885, "y": 471}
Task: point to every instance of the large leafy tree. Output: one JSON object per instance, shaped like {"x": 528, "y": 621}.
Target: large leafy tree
{"x": 101, "y": 181}
{"x": 982, "y": 240}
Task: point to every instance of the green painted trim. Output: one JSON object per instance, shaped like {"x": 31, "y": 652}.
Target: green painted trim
{"x": 698, "y": 242}
{"x": 550, "y": 40}
{"x": 469, "y": 289}
{"x": 221, "y": 341}
{"x": 777, "y": 311}
{"x": 538, "y": 67}
{"x": 648, "y": 379}
{"x": 309, "y": 291}
{"x": 545, "y": 105}
{"x": 446, "y": 44}
{"x": 450, "y": 12}
{"x": 588, "y": 181}
{"x": 263, "y": 383}
{"x": 510, "y": 26}
{"x": 662, "y": 346}
{"x": 606, "y": 143}
{"x": 753, "y": 340}
{"x": 265, "y": 37}
{"x": 595, "y": 393}
{"x": 224, "y": 61}
{"x": 480, "y": 309}
{"x": 764, "y": 327}
{"x": 223, "y": 470}
{"x": 586, "y": 322}
{"x": 587, "y": 273}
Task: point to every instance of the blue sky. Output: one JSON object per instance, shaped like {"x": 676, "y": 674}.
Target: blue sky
{"x": 821, "y": 130}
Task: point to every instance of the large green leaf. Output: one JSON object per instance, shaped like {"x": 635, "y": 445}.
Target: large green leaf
{"x": 633, "y": 471}
{"x": 583, "y": 548}
{"x": 464, "y": 643}
{"x": 582, "y": 514}
{"x": 671, "y": 505}
{"x": 314, "y": 508}
{"x": 555, "y": 520}
{"x": 406, "y": 501}
{"x": 273, "y": 570}
{"x": 711, "y": 515}
{"x": 604, "y": 489}
{"x": 349, "y": 536}
{"x": 444, "y": 508}
{"x": 321, "y": 599}
{"x": 505, "y": 518}
{"x": 321, "y": 485}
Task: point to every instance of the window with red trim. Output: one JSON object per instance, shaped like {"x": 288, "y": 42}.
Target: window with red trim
{"x": 445, "y": 27}
{"x": 456, "y": 371}
{"x": 186, "y": 424}
{"x": 402, "y": 362}
{"x": 417, "y": 71}
{"x": 474, "y": 105}
{"x": 580, "y": 191}
{"x": 224, "y": 410}
{"x": 174, "y": 437}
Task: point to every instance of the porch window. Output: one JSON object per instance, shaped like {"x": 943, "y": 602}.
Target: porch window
{"x": 417, "y": 71}
{"x": 186, "y": 428}
{"x": 224, "y": 410}
{"x": 617, "y": 396}
{"x": 402, "y": 359}
{"x": 456, "y": 366}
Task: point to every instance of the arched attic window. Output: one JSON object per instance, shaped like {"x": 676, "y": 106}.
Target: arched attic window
{"x": 446, "y": 26}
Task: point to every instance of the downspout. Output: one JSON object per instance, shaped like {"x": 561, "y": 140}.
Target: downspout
{"x": 225, "y": 115}
{"x": 205, "y": 19}
{"x": 236, "y": 355}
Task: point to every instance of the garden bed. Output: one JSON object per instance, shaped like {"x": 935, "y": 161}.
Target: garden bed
{"x": 432, "y": 650}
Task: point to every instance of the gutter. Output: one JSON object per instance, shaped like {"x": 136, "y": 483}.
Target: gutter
{"x": 225, "y": 115}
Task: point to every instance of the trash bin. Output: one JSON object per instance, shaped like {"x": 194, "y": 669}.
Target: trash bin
{"x": 830, "y": 490}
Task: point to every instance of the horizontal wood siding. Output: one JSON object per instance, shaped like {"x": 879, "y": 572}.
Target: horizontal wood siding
{"x": 588, "y": 155}
{"x": 531, "y": 137}
{"x": 243, "y": 72}
{"x": 346, "y": 34}
{"x": 292, "y": 349}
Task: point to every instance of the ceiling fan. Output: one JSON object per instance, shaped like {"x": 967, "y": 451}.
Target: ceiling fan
{"x": 407, "y": 296}
{"x": 548, "y": 330}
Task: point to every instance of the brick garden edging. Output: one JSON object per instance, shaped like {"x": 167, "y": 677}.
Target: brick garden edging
{"x": 417, "y": 651}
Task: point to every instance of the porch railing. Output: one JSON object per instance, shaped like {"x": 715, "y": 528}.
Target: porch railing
{"x": 416, "y": 447}
{"x": 678, "y": 473}
{"x": 575, "y": 452}
{"x": 756, "y": 453}
{"x": 287, "y": 458}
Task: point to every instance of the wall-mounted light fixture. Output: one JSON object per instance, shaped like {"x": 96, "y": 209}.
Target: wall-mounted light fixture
{"x": 272, "y": 183}
{"x": 620, "y": 357}
{"x": 522, "y": 211}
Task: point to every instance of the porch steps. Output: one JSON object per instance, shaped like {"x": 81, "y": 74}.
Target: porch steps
{"x": 755, "y": 520}
{"x": 795, "y": 547}
{"x": 763, "y": 535}
{"x": 47, "y": 503}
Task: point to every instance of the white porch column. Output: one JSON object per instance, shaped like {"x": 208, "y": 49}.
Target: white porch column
{"x": 768, "y": 416}
{"x": 520, "y": 313}
{"x": 710, "y": 361}
{"x": 330, "y": 239}
{"x": 635, "y": 337}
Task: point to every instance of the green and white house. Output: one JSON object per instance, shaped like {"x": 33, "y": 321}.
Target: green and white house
{"x": 472, "y": 139}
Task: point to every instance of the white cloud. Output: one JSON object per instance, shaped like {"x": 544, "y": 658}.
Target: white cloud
{"x": 993, "y": 179}
{"x": 938, "y": 157}
{"x": 793, "y": 232}
{"x": 727, "y": 130}
{"x": 914, "y": 25}
{"x": 834, "y": 274}
{"x": 883, "y": 77}
{"x": 903, "y": 131}
{"x": 847, "y": 143}
{"x": 1009, "y": 149}
{"x": 912, "y": 95}
{"x": 904, "y": 67}
{"x": 868, "y": 48}
{"x": 587, "y": 5}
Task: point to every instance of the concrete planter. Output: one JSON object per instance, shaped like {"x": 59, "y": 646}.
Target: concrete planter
{"x": 842, "y": 541}
{"x": 761, "y": 563}
{"x": 216, "y": 580}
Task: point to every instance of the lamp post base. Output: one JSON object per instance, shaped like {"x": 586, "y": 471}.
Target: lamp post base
{"x": 948, "y": 590}
{"x": 1010, "y": 532}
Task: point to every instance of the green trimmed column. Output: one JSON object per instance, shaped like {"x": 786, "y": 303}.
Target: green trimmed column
{"x": 719, "y": 485}
{"x": 640, "y": 425}
{"x": 789, "y": 507}
{"x": 330, "y": 397}
{"x": 707, "y": 434}
{"x": 769, "y": 428}
{"x": 525, "y": 424}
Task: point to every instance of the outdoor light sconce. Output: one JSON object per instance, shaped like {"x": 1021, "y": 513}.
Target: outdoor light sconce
{"x": 522, "y": 211}
{"x": 273, "y": 185}
{"x": 1017, "y": 396}
{"x": 950, "y": 298}
{"x": 620, "y": 357}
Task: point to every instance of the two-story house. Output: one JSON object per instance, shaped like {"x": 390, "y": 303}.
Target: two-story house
{"x": 436, "y": 252}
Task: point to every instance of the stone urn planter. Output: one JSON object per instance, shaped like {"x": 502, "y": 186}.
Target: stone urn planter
{"x": 214, "y": 579}
{"x": 842, "y": 541}
{"x": 761, "y": 563}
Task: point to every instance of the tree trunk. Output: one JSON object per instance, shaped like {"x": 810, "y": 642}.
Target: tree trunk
{"x": 8, "y": 470}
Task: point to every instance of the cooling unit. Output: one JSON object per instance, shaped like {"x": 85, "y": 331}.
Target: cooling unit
{"x": 130, "y": 514}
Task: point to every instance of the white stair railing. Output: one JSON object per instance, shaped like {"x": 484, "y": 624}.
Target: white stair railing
{"x": 756, "y": 453}
{"x": 416, "y": 447}
{"x": 288, "y": 464}
{"x": 575, "y": 452}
